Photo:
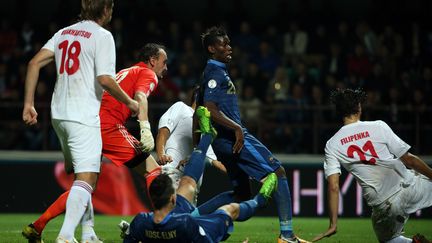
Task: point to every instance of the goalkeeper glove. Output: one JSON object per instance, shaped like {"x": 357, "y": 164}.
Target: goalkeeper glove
{"x": 147, "y": 141}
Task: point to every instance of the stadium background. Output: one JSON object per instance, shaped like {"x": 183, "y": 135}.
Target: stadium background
{"x": 288, "y": 55}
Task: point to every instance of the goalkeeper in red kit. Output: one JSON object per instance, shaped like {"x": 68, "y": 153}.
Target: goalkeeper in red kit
{"x": 118, "y": 145}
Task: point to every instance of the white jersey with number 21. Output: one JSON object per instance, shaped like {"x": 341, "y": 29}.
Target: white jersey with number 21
{"x": 370, "y": 150}
{"x": 82, "y": 52}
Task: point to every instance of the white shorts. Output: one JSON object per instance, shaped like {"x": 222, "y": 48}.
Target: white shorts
{"x": 389, "y": 218}
{"x": 81, "y": 145}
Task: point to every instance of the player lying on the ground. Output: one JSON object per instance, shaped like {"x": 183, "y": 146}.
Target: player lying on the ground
{"x": 171, "y": 219}
{"x": 118, "y": 145}
{"x": 395, "y": 182}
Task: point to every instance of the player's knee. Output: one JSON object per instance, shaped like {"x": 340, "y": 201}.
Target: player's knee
{"x": 232, "y": 209}
{"x": 89, "y": 177}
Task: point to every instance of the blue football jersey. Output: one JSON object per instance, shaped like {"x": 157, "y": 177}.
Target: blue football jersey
{"x": 219, "y": 89}
{"x": 174, "y": 228}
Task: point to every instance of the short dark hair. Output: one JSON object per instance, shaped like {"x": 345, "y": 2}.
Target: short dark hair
{"x": 161, "y": 189}
{"x": 210, "y": 36}
{"x": 94, "y": 9}
{"x": 347, "y": 101}
{"x": 150, "y": 50}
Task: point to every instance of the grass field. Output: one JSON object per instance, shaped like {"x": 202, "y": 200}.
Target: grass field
{"x": 257, "y": 229}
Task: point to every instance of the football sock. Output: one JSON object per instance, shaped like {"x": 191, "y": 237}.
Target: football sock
{"x": 248, "y": 208}
{"x": 76, "y": 205}
{"x": 282, "y": 198}
{"x": 55, "y": 209}
{"x": 151, "y": 176}
{"x": 195, "y": 167}
{"x": 214, "y": 203}
{"x": 87, "y": 223}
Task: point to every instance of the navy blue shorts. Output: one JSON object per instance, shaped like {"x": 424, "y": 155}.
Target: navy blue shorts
{"x": 217, "y": 225}
{"x": 254, "y": 160}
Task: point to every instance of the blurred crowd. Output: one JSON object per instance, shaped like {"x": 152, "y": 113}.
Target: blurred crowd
{"x": 281, "y": 71}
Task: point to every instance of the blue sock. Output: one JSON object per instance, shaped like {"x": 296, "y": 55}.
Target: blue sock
{"x": 195, "y": 167}
{"x": 282, "y": 198}
{"x": 215, "y": 202}
{"x": 247, "y": 209}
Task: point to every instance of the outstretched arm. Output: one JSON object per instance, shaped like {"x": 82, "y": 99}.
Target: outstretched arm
{"x": 221, "y": 119}
{"x": 110, "y": 85}
{"x": 333, "y": 206}
{"x": 414, "y": 162}
{"x": 41, "y": 59}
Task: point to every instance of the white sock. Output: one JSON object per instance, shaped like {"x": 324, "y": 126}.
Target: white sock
{"x": 76, "y": 205}
{"x": 400, "y": 239}
{"x": 87, "y": 223}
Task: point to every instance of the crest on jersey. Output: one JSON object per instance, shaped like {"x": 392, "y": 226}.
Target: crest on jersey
{"x": 212, "y": 83}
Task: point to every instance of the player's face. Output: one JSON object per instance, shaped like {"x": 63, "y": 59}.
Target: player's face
{"x": 222, "y": 50}
{"x": 160, "y": 64}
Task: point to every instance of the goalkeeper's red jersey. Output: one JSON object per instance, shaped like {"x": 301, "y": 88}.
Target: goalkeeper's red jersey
{"x": 136, "y": 78}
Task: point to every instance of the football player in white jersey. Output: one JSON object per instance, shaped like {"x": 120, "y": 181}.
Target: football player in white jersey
{"x": 174, "y": 139}
{"x": 84, "y": 54}
{"x": 395, "y": 183}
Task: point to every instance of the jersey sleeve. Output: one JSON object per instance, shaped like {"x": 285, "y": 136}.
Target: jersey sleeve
{"x": 171, "y": 117}
{"x": 213, "y": 87}
{"x": 196, "y": 232}
{"x": 50, "y": 43}
{"x": 331, "y": 163}
{"x": 134, "y": 234}
{"x": 395, "y": 144}
{"x": 147, "y": 82}
{"x": 105, "y": 57}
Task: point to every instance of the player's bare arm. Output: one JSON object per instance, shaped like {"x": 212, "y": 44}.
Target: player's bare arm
{"x": 41, "y": 59}
{"x": 147, "y": 140}
{"x": 414, "y": 162}
{"x": 109, "y": 84}
{"x": 161, "y": 139}
{"x": 333, "y": 206}
{"x": 221, "y": 119}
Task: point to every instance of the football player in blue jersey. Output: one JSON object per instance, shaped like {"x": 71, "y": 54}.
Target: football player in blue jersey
{"x": 242, "y": 154}
{"x": 172, "y": 219}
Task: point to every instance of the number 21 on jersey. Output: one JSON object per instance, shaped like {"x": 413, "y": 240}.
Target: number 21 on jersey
{"x": 69, "y": 57}
{"x": 368, "y": 146}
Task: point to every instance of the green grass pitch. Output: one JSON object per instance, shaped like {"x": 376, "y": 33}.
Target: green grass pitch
{"x": 257, "y": 229}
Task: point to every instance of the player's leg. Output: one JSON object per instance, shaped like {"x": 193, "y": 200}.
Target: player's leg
{"x": 195, "y": 167}
{"x": 218, "y": 224}
{"x": 34, "y": 230}
{"x": 85, "y": 145}
{"x": 257, "y": 161}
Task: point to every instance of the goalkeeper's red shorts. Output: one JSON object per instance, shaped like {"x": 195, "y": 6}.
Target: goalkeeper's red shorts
{"x": 118, "y": 145}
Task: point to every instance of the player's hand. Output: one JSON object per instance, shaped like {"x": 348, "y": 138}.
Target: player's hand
{"x": 330, "y": 231}
{"x": 147, "y": 141}
{"x": 238, "y": 145}
{"x": 29, "y": 115}
{"x": 164, "y": 159}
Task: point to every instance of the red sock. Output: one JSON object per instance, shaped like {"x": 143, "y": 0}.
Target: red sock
{"x": 55, "y": 209}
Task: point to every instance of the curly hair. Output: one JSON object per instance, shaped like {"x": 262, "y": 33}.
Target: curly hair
{"x": 347, "y": 101}
{"x": 210, "y": 36}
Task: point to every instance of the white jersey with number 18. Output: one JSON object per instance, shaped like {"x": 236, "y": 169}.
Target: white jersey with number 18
{"x": 82, "y": 52}
{"x": 370, "y": 151}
